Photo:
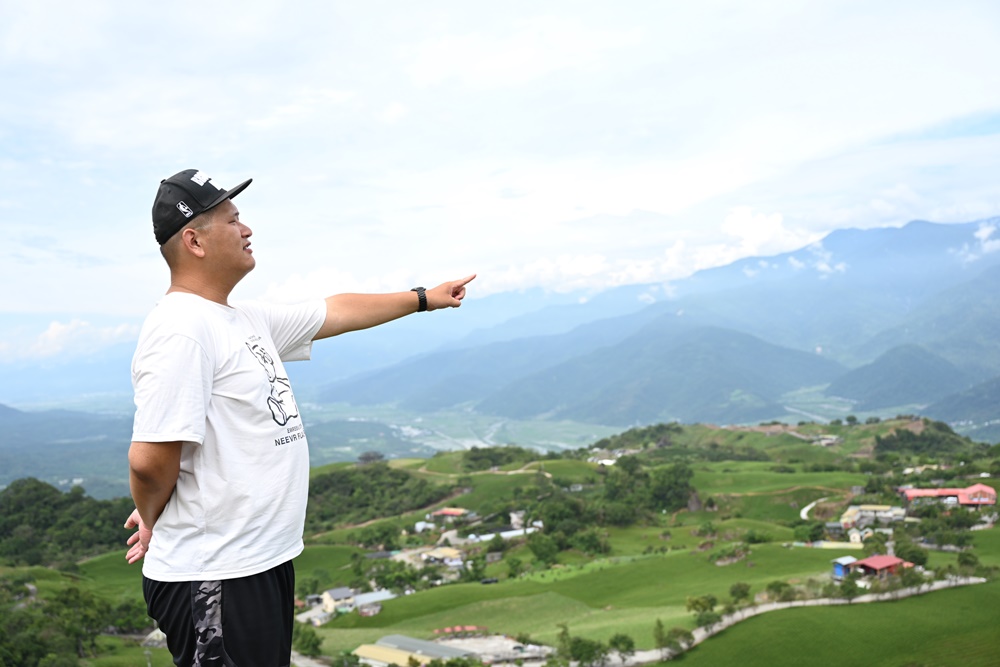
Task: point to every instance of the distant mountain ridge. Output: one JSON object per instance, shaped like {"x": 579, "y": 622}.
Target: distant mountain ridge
{"x": 884, "y": 317}
{"x": 905, "y": 374}
{"x": 878, "y": 318}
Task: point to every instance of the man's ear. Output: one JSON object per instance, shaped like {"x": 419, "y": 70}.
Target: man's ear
{"x": 191, "y": 240}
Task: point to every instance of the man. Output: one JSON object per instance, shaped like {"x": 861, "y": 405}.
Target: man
{"x": 219, "y": 466}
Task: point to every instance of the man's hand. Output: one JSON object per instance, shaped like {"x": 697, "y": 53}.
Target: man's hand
{"x": 448, "y": 295}
{"x": 353, "y": 312}
{"x": 139, "y": 540}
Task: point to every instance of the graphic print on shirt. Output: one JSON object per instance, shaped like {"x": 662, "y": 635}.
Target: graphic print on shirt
{"x": 281, "y": 402}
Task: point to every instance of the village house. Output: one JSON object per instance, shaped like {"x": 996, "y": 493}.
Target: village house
{"x": 448, "y": 556}
{"x": 842, "y": 566}
{"x": 879, "y": 566}
{"x": 975, "y": 496}
{"x": 403, "y": 650}
{"x": 862, "y": 516}
{"x": 448, "y": 515}
{"x": 337, "y": 599}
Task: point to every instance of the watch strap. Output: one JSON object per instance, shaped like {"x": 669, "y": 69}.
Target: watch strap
{"x": 421, "y": 298}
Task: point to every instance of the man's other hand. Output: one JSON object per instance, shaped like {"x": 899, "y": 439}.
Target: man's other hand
{"x": 139, "y": 540}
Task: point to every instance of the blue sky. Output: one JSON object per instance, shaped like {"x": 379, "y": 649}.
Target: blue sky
{"x": 566, "y": 145}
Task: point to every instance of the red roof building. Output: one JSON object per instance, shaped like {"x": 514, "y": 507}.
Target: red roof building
{"x": 880, "y": 566}
{"x": 976, "y": 495}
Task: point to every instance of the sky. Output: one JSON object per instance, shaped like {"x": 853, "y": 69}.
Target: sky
{"x": 562, "y": 145}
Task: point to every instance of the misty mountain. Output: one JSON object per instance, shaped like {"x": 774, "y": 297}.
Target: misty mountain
{"x": 812, "y": 314}
{"x": 59, "y": 446}
{"x": 958, "y": 323}
{"x": 468, "y": 374}
{"x": 979, "y": 403}
{"x": 908, "y": 374}
{"x": 668, "y": 371}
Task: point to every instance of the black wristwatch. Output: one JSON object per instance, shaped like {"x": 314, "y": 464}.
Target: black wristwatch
{"x": 422, "y": 297}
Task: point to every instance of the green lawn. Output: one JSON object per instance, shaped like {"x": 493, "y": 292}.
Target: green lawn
{"x": 758, "y": 477}
{"x": 954, "y": 627}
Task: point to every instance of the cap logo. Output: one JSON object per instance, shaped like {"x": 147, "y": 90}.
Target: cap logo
{"x": 185, "y": 209}
{"x": 201, "y": 178}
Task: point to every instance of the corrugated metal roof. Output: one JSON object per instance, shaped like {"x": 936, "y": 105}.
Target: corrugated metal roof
{"x": 388, "y": 655}
{"x": 376, "y": 596}
{"x": 340, "y": 593}
{"x": 421, "y": 647}
{"x": 879, "y": 562}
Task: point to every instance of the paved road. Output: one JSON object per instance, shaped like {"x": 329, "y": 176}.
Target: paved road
{"x": 303, "y": 661}
{"x": 804, "y": 514}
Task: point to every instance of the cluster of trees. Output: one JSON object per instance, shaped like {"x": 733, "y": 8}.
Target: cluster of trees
{"x": 61, "y": 630}
{"x": 593, "y": 653}
{"x": 484, "y": 458}
{"x": 41, "y": 525}
{"x": 936, "y": 439}
{"x": 631, "y": 490}
{"x": 658, "y": 435}
{"x": 630, "y": 493}
{"x": 357, "y": 494}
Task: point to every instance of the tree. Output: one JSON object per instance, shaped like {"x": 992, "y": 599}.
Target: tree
{"x": 660, "y": 637}
{"x": 588, "y": 652}
{"x": 370, "y": 457}
{"x": 907, "y": 550}
{"x": 305, "y": 640}
{"x": 707, "y": 619}
{"x": 496, "y": 544}
{"x": 702, "y": 603}
{"x": 670, "y": 487}
{"x": 514, "y": 567}
{"x": 543, "y": 547}
{"x": 849, "y": 587}
{"x": 681, "y": 638}
{"x": 739, "y": 591}
{"x": 563, "y": 641}
{"x": 781, "y": 591}
{"x": 475, "y": 568}
{"x": 622, "y": 643}
{"x": 967, "y": 559}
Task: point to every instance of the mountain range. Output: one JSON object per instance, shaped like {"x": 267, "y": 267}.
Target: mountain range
{"x": 881, "y": 318}
{"x": 876, "y": 320}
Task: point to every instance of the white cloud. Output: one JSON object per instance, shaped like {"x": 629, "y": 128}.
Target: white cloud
{"x": 823, "y": 262}
{"x": 591, "y": 145}
{"x": 394, "y": 112}
{"x": 762, "y": 233}
{"x": 538, "y": 47}
{"x": 77, "y": 337}
{"x": 987, "y": 243}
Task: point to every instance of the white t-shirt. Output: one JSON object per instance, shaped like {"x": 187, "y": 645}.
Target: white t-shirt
{"x": 211, "y": 376}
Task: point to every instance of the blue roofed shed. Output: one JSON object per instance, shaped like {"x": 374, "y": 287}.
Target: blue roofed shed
{"x": 841, "y": 566}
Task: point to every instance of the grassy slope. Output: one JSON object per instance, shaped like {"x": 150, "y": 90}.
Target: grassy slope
{"x": 626, "y": 592}
{"x": 953, "y": 627}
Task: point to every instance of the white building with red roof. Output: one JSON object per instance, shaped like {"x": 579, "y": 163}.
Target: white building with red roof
{"x": 976, "y": 495}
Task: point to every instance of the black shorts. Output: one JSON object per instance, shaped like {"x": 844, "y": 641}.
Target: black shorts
{"x": 245, "y": 622}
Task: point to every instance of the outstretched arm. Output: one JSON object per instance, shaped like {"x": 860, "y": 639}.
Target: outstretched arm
{"x": 153, "y": 471}
{"x": 352, "y": 312}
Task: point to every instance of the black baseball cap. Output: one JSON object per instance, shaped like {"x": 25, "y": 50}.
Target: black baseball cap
{"x": 182, "y": 197}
